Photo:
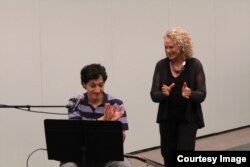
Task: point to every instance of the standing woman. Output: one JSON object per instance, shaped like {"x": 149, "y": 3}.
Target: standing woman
{"x": 179, "y": 87}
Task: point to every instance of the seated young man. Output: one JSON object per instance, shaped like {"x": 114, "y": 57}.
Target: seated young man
{"x": 95, "y": 104}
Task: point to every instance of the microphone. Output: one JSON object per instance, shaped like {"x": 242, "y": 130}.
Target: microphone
{"x": 78, "y": 102}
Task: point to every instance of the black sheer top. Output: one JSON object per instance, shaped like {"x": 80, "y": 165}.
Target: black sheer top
{"x": 195, "y": 79}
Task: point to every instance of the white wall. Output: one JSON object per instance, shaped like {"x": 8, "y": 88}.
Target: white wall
{"x": 45, "y": 43}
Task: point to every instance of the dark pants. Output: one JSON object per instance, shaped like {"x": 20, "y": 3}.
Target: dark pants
{"x": 176, "y": 136}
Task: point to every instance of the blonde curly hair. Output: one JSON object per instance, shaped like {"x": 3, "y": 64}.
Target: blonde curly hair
{"x": 182, "y": 39}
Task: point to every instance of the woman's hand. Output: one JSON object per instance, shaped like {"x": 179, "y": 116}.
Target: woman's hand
{"x": 186, "y": 91}
{"x": 167, "y": 89}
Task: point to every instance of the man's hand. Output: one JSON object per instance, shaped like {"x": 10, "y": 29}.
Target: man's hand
{"x": 112, "y": 113}
{"x": 167, "y": 89}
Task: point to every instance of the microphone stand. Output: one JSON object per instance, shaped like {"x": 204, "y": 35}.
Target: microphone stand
{"x": 31, "y": 106}
{"x": 28, "y": 108}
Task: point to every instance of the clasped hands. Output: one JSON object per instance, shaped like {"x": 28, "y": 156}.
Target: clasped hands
{"x": 186, "y": 91}
{"x": 112, "y": 112}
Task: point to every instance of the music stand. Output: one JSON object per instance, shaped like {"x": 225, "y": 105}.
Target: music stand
{"x": 84, "y": 142}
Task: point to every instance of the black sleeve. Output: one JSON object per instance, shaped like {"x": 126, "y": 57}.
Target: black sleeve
{"x": 156, "y": 93}
{"x": 199, "y": 91}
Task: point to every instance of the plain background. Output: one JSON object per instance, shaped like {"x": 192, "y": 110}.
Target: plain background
{"x": 45, "y": 43}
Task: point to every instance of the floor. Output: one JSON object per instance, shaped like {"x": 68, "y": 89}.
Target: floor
{"x": 224, "y": 141}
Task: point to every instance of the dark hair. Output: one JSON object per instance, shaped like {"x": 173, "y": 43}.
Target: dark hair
{"x": 93, "y": 71}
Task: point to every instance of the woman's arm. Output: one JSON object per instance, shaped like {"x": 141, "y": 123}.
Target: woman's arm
{"x": 198, "y": 94}
{"x": 156, "y": 89}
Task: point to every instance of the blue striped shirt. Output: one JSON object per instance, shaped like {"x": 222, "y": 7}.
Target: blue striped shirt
{"x": 86, "y": 111}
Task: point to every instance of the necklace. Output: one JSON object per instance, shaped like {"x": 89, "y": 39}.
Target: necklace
{"x": 177, "y": 68}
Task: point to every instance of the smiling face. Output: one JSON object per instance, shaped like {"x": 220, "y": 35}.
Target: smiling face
{"x": 95, "y": 89}
{"x": 93, "y": 77}
{"x": 172, "y": 50}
